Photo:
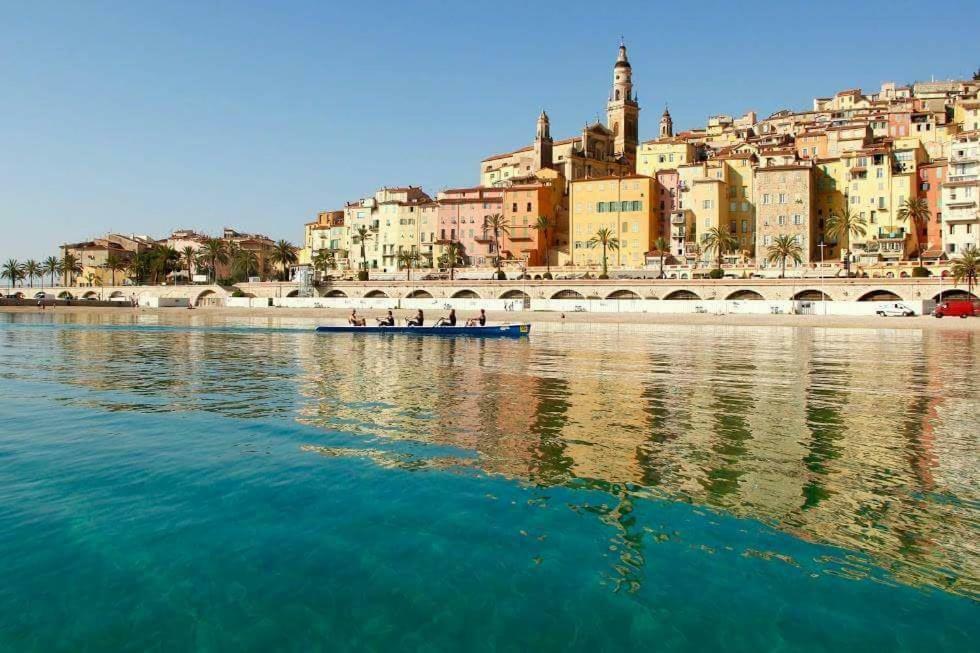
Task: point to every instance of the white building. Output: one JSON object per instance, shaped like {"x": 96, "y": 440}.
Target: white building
{"x": 961, "y": 193}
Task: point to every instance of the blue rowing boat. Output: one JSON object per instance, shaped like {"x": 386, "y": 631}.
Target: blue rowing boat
{"x": 498, "y": 331}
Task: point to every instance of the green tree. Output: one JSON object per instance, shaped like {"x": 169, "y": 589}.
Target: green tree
{"x": 244, "y": 261}
{"x": 13, "y": 271}
{"x": 452, "y": 257}
{"x": 784, "y": 247}
{"x": 916, "y": 213}
{"x": 845, "y": 225}
{"x": 545, "y": 227}
{"x": 608, "y": 241}
{"x": 70, "y": 266}
{"x": 406, "y": 259}
{"x": 114, "y": 264}
{"x": 51, "y": 266}
{"x": 497, "y": 225}
{"x": 163, "y": 260}
{"x": 719, "y": 241}
{"x": 32, "y": 269}
{"x": 361, "y": 235}
{"x": 965, "y": 267}
{"x": 215, "y": 252}
{"x": 189, "y": 256}
{"x": 661, "y": 244}
{"x": 323, "y": 261}
{"x": 284, "y": 254}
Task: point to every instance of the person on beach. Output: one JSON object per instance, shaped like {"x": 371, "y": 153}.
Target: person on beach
{"x": 418, "y": 320}
{"x": 481, "y": 320}
{"x": 448, "y": 321}
{"x": 387, "y": 321}
{"x": 355, "y": 320}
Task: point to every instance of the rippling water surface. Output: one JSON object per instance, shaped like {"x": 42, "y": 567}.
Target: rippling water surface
{"x": 232, "y": 484}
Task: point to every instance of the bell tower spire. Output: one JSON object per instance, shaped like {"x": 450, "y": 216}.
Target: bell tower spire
{"x": 543, "y": 144}
{"x": 622, "y": 110}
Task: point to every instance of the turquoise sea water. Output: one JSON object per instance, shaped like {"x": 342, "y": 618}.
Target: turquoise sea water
{"x": 247, "y": 485}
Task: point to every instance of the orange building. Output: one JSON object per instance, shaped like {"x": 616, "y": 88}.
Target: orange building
{"x": 932, "y": 176}
{"x": 524, "y": 203}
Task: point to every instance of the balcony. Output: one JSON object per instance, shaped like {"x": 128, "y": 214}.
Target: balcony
{"x": 893, "y": 234}
{"x": 677, "y": 218}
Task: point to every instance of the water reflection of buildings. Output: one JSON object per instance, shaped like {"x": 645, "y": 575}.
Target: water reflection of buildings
{"x": 861, "y": 439}
{"x": 844, "y": 437}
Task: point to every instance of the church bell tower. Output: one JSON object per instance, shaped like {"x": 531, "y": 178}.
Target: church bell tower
{"x": 543, "y": 144}
{"x": 622, "y": 111}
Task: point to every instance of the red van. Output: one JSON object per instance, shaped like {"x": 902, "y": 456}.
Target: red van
{"x": 956, "y": 307}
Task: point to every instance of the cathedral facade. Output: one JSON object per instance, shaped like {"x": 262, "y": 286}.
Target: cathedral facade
{"x": 599, "y": 150}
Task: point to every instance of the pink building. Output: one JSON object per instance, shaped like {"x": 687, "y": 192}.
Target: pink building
{"x": 462, "y": 213}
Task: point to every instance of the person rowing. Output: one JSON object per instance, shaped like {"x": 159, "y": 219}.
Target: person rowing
{"x": 478, "y": 321}
{"x": 416, "y": 321}
{"x": 387, "y": 321}
{"x": 355, "y": 319}
{"x": 448, "y": 321}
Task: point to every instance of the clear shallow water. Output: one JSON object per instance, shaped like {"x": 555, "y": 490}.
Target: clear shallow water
{"x": 244, "y": 485}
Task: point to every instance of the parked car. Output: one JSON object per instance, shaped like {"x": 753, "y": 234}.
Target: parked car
{"x": 895, "y": 310}
{"x": 44, "y": 295}
{"x": 957, "y": 307}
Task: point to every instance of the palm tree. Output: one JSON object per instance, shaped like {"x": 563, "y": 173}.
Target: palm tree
{"x": 92, "y": 278}
{"x": 407, "y": 259}
{"x": 916, "y": 213}
{"x": 214, "y": 250}
{"x": 13, "y": 271}
{"x": 114, "y": 264}
{"x": 452, "y": 257}
{"x": 496, "y": 224}
{"x": 661, "y": 244}
{"x": 51, "y": 266}
{"x": 361, "y": 235}
{"x": 70, "y": 266}
{"x": 845, "y": 225}
{"x": 32, "y": 269}
{"x": 284, "y": 254}
{"x": 718, "y": 240}
{"x": 163, "y": 260}
{"x": 544, "y": 226}
{"x": 965, "y": 267}
{"x": 245, "y": 260}
{"x": 139, "y": 266}
{"x": 189, "y": 256}
{"x": 324, "y": 260}
{"x": 605, "y": 238}
{"x": 783, "y": 247}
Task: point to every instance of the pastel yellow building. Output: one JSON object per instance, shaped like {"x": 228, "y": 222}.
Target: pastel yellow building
{"x": 663, "y": 154}
{"x": 624, "y": 205}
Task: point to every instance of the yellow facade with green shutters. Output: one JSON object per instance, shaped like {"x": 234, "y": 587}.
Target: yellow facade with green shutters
{"x": 624, "y": 205}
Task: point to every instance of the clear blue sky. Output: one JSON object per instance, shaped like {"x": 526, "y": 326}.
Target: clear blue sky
{"x": 145, "y": 117}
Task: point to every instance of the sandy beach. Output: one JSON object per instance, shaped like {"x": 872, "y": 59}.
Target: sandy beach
{"x": 328, "y": 316}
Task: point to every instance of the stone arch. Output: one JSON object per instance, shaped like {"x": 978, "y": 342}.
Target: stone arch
{"x": 373, "y": 294}
{"x": 515, "y": 294}
{"x": 466, "y": 293}
{"x": 623, "y": 294}
{"x": 335, "y": 293}
{"x": 568, "y": 294}
{"x": 203, "y": 296}
{"x": 956, "y": 293}
{"x": 116, "y": 293}
{"x": 745, "y": 295}
{"x": 64, "y": 294}
{"x": 91, "y": 294}
{"x": 419, "y": 294}
{"x": 812, "y": 295}
{"x": 684, "y": 295}
{"x": 879, "y": 295}
{"x": 293, "y": 293}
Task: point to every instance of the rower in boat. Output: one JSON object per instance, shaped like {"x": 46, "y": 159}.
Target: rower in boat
{"x": 355, "y": 319}
{"x": 478, "y": 321}
{"x": 416, "y": 321}
{"x": 387, "y": 321}
{"x": 448, "y": 321}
